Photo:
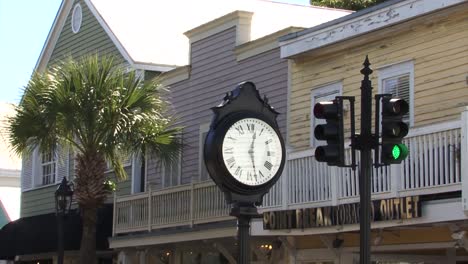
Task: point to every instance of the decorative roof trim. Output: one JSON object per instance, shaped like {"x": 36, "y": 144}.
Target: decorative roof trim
{"x": 53, "y": 35}
{"x": 263, "y": 44}
{"x": 362, "y": 22}
{"x": 239, "y": 19}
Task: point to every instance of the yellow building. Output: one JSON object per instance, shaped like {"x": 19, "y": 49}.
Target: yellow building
{"x": 418, "y": 51}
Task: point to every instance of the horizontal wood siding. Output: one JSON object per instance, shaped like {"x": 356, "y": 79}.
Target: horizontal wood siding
{"x": 42, "y": 201}
{"x": 38, "y": 201}
{"x": 124, "y": 186}
{"x": 216, "y": 71}
{"x": 90, "y": 39}
{"x": 438, "y": 46}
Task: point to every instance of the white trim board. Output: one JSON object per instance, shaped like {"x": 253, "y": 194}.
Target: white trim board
{"x": 148, "y": 240}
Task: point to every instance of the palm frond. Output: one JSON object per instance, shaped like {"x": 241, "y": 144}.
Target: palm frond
{"x": 96, "y": 106}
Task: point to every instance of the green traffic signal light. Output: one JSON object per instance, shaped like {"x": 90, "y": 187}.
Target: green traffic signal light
{"x": 396, "y": 152}
{"x": 399, "y": 152}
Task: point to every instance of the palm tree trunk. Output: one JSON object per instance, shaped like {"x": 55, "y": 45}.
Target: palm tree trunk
{"x": 90, "y": 193}
{"x": 88, "y": 238}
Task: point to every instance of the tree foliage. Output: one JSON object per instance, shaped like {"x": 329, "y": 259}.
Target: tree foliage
{"x": 101, "y": 111}
{"x": 346, "y": 4}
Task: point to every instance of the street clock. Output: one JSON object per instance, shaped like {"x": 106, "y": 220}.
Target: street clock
{"x": 244, "y": 150}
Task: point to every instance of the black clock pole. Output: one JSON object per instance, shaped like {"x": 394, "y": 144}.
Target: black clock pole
{"x": 244, "y": 213}
{"x": 242, "y": 111}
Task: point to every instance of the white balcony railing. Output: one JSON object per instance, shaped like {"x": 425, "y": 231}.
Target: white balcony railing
{"x": 433, "y": 166}
{"x": 183, "y": 205}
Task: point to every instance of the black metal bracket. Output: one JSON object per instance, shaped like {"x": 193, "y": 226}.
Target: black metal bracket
{"x": 378, "y": 98}
{"x": 351, "y": 100}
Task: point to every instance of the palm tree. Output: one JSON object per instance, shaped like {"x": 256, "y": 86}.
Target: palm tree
{"x": 99, "y": 110}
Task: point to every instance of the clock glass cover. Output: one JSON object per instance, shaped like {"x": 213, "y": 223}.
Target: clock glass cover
{"x": 252, "y": 151}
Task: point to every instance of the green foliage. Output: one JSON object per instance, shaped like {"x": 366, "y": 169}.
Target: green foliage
{"x": 111, "y": 186}
{"x": 346, "y": 4}
{"x": 95, "y": 107}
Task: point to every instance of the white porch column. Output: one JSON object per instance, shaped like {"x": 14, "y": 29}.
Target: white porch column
{"x": 464, "y": 159}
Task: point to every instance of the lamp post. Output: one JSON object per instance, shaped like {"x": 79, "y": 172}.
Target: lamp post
{"x": 63, "y": 199}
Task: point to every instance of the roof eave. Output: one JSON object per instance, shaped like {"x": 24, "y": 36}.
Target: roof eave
{"x": 359, "y": 23}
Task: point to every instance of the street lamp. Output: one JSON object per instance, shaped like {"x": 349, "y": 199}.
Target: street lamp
{"x": 63, "y": 200}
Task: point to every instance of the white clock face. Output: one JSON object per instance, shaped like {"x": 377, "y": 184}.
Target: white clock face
{"x": 252, "y": 151}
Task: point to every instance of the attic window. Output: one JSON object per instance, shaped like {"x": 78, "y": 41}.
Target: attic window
{"x": 77, "y": 17}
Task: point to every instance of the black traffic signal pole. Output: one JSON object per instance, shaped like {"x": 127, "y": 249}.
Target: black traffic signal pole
{"x": 366, "y": 143}
{"x": 393, "y": 131}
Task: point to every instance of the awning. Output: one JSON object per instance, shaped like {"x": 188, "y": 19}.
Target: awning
{"x": 38, "y": 234}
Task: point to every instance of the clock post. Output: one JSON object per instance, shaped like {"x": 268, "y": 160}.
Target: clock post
{"x": 244, "y": 154}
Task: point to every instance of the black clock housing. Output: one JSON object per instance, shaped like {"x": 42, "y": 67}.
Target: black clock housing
{"x": 243, "y": 102}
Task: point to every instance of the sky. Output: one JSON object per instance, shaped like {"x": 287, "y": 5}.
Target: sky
{"x": 24, "y": 26}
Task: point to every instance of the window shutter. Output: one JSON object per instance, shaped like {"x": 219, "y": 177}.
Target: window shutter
{"x": 171, "y": 174}
{"x": 62, "y": 164}
{"x": 27, "y": 172}
{"x": 399, "y": 86}
{"x": 324, "y": 93}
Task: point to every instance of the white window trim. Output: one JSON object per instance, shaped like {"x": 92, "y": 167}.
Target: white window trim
{"x": 179, "y": 176}
{"x": 316, "y": 92}
{"x": 396, "y": 69}
{"x": 136, "y": 173}
{"x": 37, "y": 170}
{"x": 201, "y": 141}
{"x": 77, "y": 29}
{"x": 124, "y": 165}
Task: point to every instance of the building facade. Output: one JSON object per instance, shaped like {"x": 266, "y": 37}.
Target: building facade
{"x": 150, "y": 45}
{"x": 184, "y": 214}
{"x": 418, "y": 52}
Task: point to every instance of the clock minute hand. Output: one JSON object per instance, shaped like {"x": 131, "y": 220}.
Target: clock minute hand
{"x": 251, "y": 152}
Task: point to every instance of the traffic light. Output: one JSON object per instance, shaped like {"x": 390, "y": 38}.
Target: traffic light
{"x": 332, "y": 132}
{"x": 393, "y": 151}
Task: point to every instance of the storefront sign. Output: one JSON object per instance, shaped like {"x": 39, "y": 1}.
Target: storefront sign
{"x": 345, "y": 214}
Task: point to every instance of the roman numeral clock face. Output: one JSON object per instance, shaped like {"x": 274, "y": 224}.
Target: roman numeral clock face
{"x": 252, "y": 151}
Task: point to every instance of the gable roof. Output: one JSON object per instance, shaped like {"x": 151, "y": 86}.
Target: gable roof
{"x": 149, "y": 35}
